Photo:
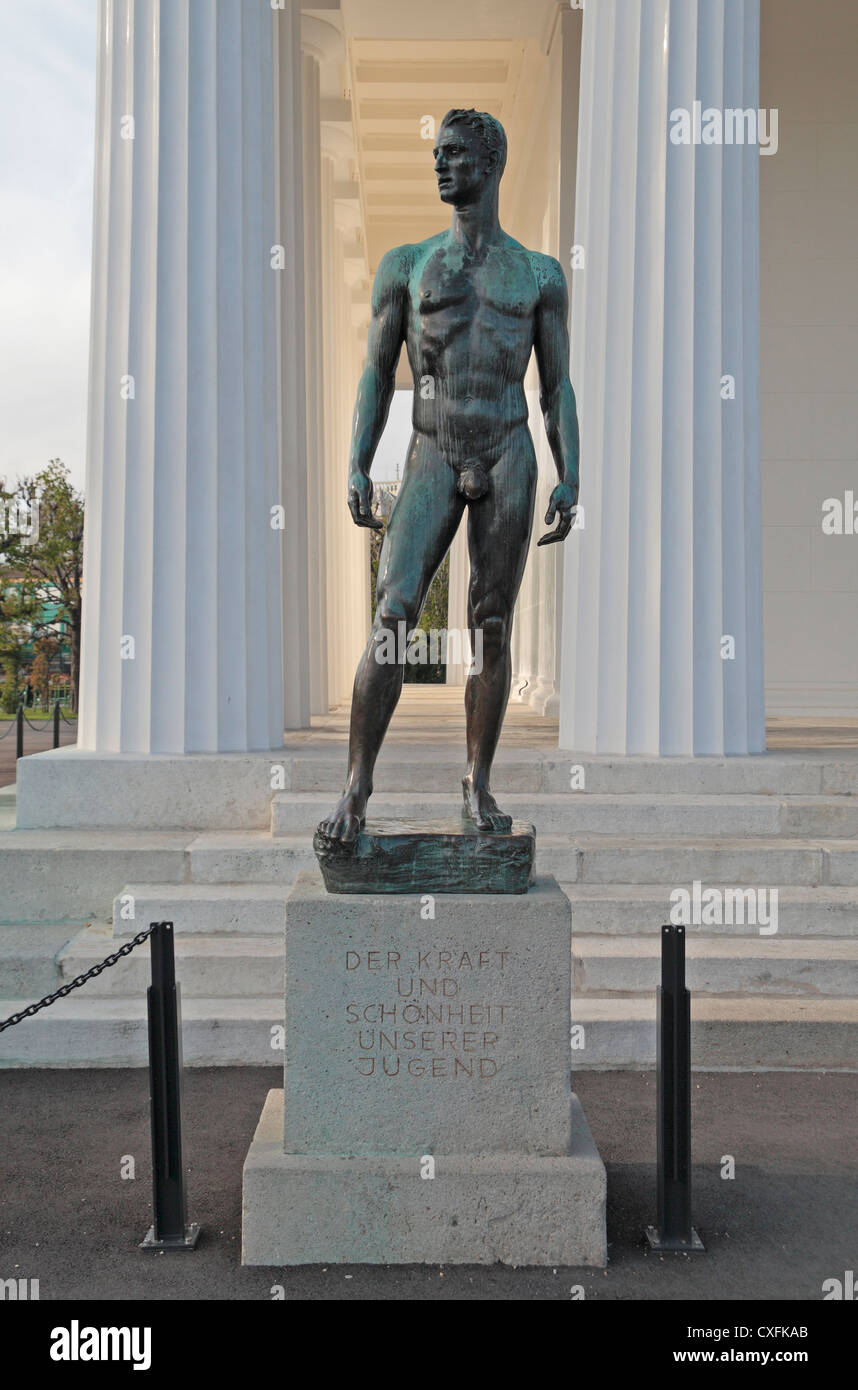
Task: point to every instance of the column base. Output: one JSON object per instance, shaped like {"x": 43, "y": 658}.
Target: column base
{"x": 516, "y": 1209}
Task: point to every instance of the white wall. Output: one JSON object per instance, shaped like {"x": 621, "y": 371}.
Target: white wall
{"x": 809, "y": 322}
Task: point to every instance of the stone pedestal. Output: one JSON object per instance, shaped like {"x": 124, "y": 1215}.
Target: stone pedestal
{"x": 427, "y": 1113}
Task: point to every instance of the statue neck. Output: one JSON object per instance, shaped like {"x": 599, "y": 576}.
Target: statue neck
{"x": 475, "y": 225}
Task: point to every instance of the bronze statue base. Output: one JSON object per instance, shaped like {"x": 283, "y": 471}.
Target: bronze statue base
{"x": 447, "y": 856}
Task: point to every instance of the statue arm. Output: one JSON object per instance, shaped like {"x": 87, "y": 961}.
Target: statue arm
{"x": 556, "y": 397}
{"x": 377, "y": 382}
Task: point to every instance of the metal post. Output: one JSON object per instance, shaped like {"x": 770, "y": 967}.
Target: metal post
{"x": 674, "y": 1230}
{"x": 56, "y": 723}
{"x": 19, "y": 752}
{"x": 170, "y": 1229}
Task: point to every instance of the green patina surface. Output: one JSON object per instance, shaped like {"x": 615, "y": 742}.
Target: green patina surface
{"x": 428, "y": 857}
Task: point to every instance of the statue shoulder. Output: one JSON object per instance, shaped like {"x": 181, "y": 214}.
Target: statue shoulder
{"x": 393, "y": 270}
{"x": 396, "y": 268}
{"x": 550, "y": 279}
{"x": 390, "y": 285}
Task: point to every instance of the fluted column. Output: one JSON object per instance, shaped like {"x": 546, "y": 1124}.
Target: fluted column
{"x": 316, "y": 519}
{"x": 348, "y": 559}
{"x": 662, "y": 627}
{"x": 182, "y": 643}
{"x": 292, "y": 411}
{"x": 459, "y": 576}
{"x": 350, "y": 347}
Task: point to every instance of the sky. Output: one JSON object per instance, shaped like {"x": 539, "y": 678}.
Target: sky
{"x": 47, "y": 121}
{"x": 47, "y": 124}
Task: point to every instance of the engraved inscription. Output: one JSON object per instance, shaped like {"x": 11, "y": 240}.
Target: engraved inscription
{"x": 435, "y": 1014}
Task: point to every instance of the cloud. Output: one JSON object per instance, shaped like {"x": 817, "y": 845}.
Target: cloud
{"x": 47, "y": 118}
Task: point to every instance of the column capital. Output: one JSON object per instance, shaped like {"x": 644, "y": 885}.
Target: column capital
{"x": 321, "y": 40}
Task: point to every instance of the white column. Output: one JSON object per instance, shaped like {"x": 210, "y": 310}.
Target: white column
{"x": 182, "y": 643}
{"x": 665, "y": 580}
{"x": 350, "y": 352}
{"x": 348, "y": 559}
{"x": 292, "y": 411}
{"x": 316, "y": 519}
{"x": 457, "y": 606}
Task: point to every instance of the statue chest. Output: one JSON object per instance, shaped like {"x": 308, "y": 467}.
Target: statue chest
{"x": 498, "y": 297}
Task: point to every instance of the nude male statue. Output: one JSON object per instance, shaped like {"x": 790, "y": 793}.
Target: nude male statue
{"x": 470, "y": 304}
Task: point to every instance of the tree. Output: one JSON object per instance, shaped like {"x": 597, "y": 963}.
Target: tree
{"x": 19, "y": 609}
{"x": 46, "y": 648}
{"x": 49, "y": 561}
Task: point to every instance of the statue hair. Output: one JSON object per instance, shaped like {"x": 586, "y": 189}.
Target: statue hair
{"x": 490, "y": 131}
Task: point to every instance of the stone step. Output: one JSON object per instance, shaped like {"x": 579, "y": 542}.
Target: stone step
{"x": 74, "y": 875}
{"x": 207, "y": 967}
{"x": 255, "y": 909}
{"x": 258, "y": 857}
{"x": 436, "y": 769}
{"x": 755, "y": 966}
{"x": 595, "y": 814}
{"x": 28, "y": 959}
{"x": 727, "y": 1033}
{"x": 82, "y": 1031}
{"x": 616, "y": 910}
{"x": 729, "y": 861}
{"x": 250, "y": 856}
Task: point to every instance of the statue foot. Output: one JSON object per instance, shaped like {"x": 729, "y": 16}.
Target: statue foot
{"x": 482, "y": 810}
{"x": 347, "y": 819}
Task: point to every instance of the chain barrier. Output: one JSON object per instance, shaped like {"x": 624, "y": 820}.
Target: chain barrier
{"x": 10, "y": 728}
{"x": 125, "y": 949}
{"x": 43, "y": 724}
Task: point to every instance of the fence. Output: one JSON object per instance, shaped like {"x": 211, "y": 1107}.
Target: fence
{"x": 170, "y": 1229}
{"x": 53, "y": 721}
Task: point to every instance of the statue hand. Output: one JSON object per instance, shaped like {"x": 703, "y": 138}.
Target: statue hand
{"x": 360, "y": 502}
{"x": 563, "y": 502}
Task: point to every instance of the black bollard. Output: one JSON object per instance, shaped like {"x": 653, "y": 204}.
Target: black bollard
{"x": 19, "y": 752}
{"x": 674, "y": 1230}
{"x": 56, "y": 723}
{"x": 170, "y": 1229}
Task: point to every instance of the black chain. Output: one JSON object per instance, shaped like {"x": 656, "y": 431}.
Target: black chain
{"x": 10, "y": 728}
{"x": 125, "y": 949}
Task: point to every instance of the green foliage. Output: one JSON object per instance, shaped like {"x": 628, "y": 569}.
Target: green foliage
{"x": 20, "y": 610}
{"x": 9, "y": 695}
{"x": 48, "y": 564}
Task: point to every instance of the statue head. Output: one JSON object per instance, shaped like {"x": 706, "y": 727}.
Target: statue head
{"x": 470, "y": 153}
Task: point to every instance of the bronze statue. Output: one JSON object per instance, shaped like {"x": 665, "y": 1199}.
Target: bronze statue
{"x": 470, "y": 304}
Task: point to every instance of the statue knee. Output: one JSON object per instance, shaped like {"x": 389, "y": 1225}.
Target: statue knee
{"x": 493, "y": 624}
{"x": 390, "y": 610}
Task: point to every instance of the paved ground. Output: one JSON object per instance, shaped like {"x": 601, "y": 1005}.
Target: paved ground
{"x": 786, "y": 1222}
{"x": 35, "y": 741}
{"x": 429, "y": 714}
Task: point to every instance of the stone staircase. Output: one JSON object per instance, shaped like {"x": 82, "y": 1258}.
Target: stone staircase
{"x": 640, "y": 829}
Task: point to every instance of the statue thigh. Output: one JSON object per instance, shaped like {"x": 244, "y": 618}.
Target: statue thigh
{"x": 422, "y": 525}
{"x": 499, "y": 529}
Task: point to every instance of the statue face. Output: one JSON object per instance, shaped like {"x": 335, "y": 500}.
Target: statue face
{"x": 462, "y": 164}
